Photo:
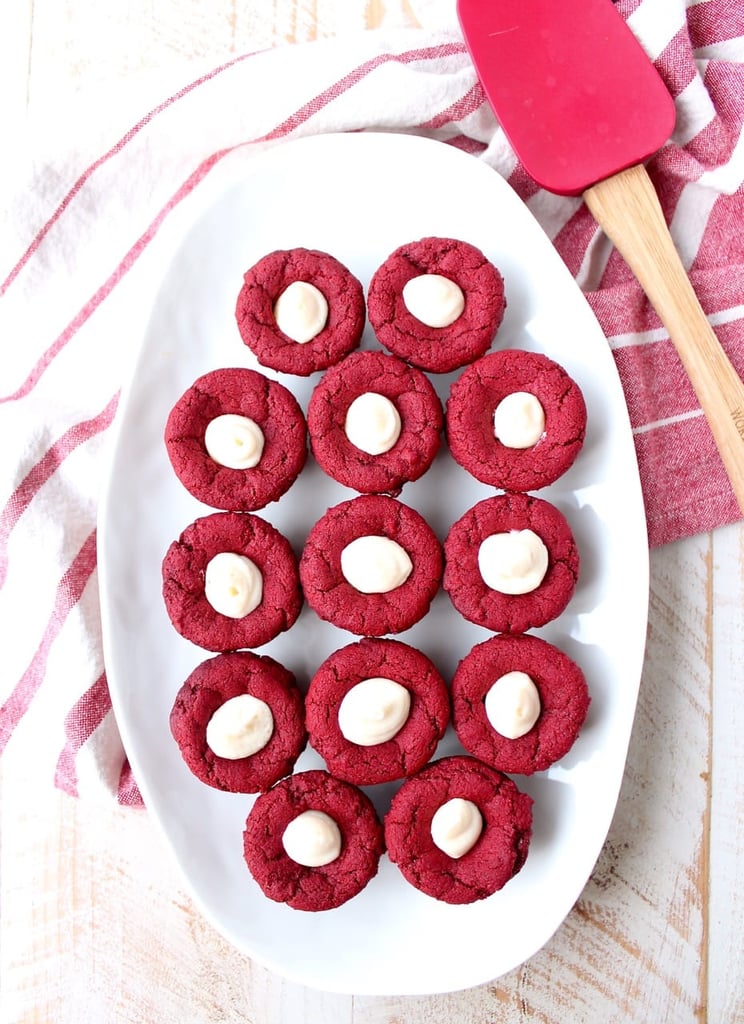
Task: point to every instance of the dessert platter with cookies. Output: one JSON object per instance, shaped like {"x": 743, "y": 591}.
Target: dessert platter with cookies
{"x": 373, "y": 568}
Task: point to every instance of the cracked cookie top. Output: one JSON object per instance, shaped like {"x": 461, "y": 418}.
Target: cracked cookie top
{"x": 515, "y": 420}
{"x": 429, "y": 329}
{"x": 371, "y": 565}
{"x": 375, "y": 423}
{"x": 300, "y": 310}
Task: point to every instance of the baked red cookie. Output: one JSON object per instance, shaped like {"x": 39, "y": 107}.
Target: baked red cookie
{"x": 324, "y": 886}
{"x": 333, "y": 709}
{"x": 438, "y": 349}
{"x": 509, "y": 534}
{"x": 265, "y": 284}
{"x": 490, "y": 384}
{"x": 563, "y": 703}
{"x": 411, "y": 557}
{"x": 212, "y": 414}
{"x": 186, "y": 570}
{"x": 230, "y": 704}
{"x": 372, "y": 394}
{"x": 498, "y": 853}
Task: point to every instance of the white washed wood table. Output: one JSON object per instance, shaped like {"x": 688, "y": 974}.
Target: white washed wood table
{"x": 94, "y": 924}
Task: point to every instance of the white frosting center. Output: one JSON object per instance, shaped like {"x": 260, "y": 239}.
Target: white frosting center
{"x": 301, "y": 311}
{"x": 234, "y": 441}
{"x": 374, "y": 711}
{"x": 513, "y": 705}
{"x": 233, "y": 584}
{"x": 312, "y": 839}
{"x": 372, "y": 423}
{"x": 375, "y": 565}
{"x": 456, "y": 827}
{"x": 513, "y": 562}
{"x": 241, "y": 726}
{"x": 433, "y": 299}
{"x": 519, "y": 420}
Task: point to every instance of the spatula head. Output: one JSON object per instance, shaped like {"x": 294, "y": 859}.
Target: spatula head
{"x": 571, "y": 86}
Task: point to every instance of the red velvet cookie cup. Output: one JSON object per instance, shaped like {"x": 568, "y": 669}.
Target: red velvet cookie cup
{"x": 245, "y": 393}
{"x": 418, "y": 406}
{"x": 264, "y": 282}
{"x": 335, "y": 600}
{"x": 184, "y": 567}
{"x": 416, "y": 741}
{"x": 437, "y": 349}
{"x": 498, "y": 854}
{"x": 510, "y": 613}
{"x": 211, "y": 685}
{"x": 564, "y": 702}
{"x": 472, "y": 402}
{"x": 313, "y": 888}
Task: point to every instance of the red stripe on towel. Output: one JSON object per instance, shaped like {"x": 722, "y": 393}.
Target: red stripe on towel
{"x": 81, "y": 722}
{"x": 45, "y": 468}
{"x": 69, "y": 590}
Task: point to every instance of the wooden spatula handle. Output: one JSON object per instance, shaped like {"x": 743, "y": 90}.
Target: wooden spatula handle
{"x": 627, "y": 207}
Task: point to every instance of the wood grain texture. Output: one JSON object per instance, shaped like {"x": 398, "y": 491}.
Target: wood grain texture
{"x": 96, "y": 926}
{"x": 15, "y": 56}
{"x": 725, "y": 945}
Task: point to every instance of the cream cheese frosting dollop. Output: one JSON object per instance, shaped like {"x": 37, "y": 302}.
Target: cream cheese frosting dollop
{"x": 241, "y": 726}
{"x": 456, "y": 827}
{"x": 514, "y": 562}
{"x": 433, "y": 299}
{"x": 301, "y": 311}
{"x": 513, "y": 705}
{"x": 372, "y": 423}
{"x": 312, "y": 839}
{"x": 233, "y": 584}
{"x": 519, "y": 420}
{"x": 234, "y": 441}
{"x": 375, "y": 565}
{"x": 374, "y": 711}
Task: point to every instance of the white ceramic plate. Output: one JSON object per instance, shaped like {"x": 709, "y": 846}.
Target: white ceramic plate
{"x": 359, "y": 196}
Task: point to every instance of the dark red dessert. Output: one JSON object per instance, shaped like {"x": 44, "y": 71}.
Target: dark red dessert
{"x": 418, "y": 408}
{"x": 313, "y": 888}
{"x": 475, "y": 396}
{"x": 437, "y": 349}
{"x": 564, "y": 702}
{"x": 244, "y": 393}
{"x": 209, "y": 687}
{"x": 499, "y": 852}
{"x": 335, "y": 599}
{"x": 185, "y": 565}
{"x": 412, "y": 746}
{"x": 510, "y": 612}
{"x": 268, "y": 279}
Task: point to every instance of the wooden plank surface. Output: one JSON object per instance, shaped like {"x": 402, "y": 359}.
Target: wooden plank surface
{"x": 95, "y": 924}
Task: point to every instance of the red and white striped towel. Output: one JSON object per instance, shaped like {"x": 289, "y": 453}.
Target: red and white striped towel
{"x": 75, "y": 261}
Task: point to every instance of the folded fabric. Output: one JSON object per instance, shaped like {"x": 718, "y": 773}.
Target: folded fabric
{"x": 80, "y": 222}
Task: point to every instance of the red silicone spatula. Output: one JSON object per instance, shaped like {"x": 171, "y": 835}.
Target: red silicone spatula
{"x": 583, "y": 107}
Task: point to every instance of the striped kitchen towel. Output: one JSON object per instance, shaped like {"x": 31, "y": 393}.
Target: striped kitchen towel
{"x": 79, "y": 222}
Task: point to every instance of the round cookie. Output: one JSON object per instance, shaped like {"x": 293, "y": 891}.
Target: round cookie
{"x": 438, "y": 349}
{"x": 336, "y": 600}
{"x": 209, "y": 688}
{"x": 509, "y": 515}
{"x": 563, "y": 703}
{"x": 476, "y": 395}
{"x": 499, "y": 851}
{"x": 414, "y": 400}
{"x": 417, "y": 738}
{"x": 264, "y": 284}
{"x": 245, "y": 393}
{"x": 185, "y": 565}
{"x": 325, "y": 886}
